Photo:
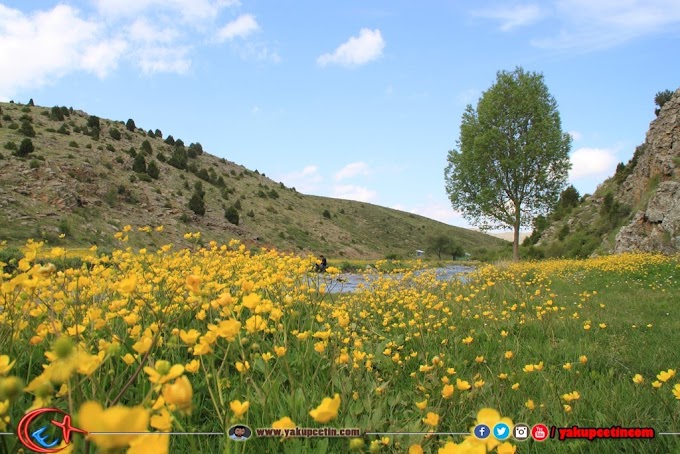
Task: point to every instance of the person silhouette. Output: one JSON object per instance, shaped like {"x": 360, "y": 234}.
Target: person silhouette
{"x": 322, "y": 265}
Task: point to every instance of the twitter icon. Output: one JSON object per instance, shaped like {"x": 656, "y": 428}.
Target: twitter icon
{"x": 501, "y": 431}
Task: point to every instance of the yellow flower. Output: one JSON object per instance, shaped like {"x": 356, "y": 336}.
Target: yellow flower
{"x": 566, "y": 366}
{"x": 528, "y": 368}
{"x": 447, "y": 391}
{"x": 422, "y": 405}
{"x": 193, "y": 366}
{"x": 163, "y": 372}
{"x": 530, "y": 404}
{"x": 664, "y": 376}
{"x": 676, "y": 391}
{"x": 583, "y": 359}
{"x": 479, "y": 359}
{"x": 228, "y": 329}
{"x": 128, "y": 359}
{"x": 502, "y": 376}
{"x": 189, "y": 337}
{"x": 504, "y": 333}
{"x": 638, "y": 380}
{"x": 93, "y": 418}
{"x": 515, "y": 386}
{"x": 5, "y": 364}
{"x": 193, "y": 283}
{"x": 143, "y": 345}
{"x": 162, "y": 421}
{"x": 602, "y": 325}
{"x": 179, "y": 393}
{"x": 156, "y": 443}
{"x": 284, "y": 423}
{"x": 280, "y": 351}
{"x": 432, "y": 419}
{"x": 267, "y": 356}
{"x": 468, "y": 340}
{"x": 479, "y": 383}
{"x": 462, "y": 385}
{"x": 415, "y": 449}
{"x": 327, "y": 410}
{"x": 242, "y": 367}
{"x": 506, "y": 448}
{"x": 567, "y": 408}
{"x": 251, "y": 301}
{"x": 508, "y": 354}
{"x": 538, "y": 366}
{"x": 657, "y": 384}
{"x": 239, "y": 408}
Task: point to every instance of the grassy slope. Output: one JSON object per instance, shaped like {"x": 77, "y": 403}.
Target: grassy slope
{"x": 42, "y": 202}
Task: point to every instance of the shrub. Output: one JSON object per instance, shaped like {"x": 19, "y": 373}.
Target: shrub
{"x": 30, "y": 102}
{"x": 158, "y": 134}
{"x": 144, "y": 177}
{"x": 261, "y": 194}
{"x": 161, "y": 157}
{"x": 34, "y": 164}
{"x": 27, "y": 129}
{"x": 326, "y": 214}
{"x": 114, "y": 133}
{"x": 197, "y": 204}
{"x": 130, "y": 125}
{"x": 237, "y": 205}
{"x": 10, "y": 146}
{"x": 56, "y": 114}
{"x": 273, "y": 194}
{"x": 170, "y": 140}
{"x": 196, "y": 149}
{"x": 139, "y": 165}
{"x": 153, "y": 170}
{"x": 564, "y": 231}
{"x": 146, "y": 147}
{"x": 203, "y": 175}
{"x": 63, "y": 130}
{"x": 184, "y": 218}
{"x": 25, "y": 148}
{"x": 93, "y": 122}
{"x": 110, "y": 147}
{"x": 150, "y": 133}
{"x": 73, "y": 144}
{"x": 231, "y": 214}
{"x": 178, "y": 159}
{"x": 133, "y": 178}
{"x": 250, "y": 214}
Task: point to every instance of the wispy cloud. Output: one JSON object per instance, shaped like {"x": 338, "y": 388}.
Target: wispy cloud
{"x": 240, "y": 27}
{"x": 351, "y": 170}
{"x": 592, "y": 163}
{"x": 511, "y": 17}
{"x": 306, "y": 180}
{"x": 353, "y": 192}
{"x": 358, "y": 50}
{"x": 575, "y": 135}
{"x": 593, "y": 25}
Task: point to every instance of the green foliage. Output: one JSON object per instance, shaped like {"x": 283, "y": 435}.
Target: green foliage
{"x": 196, "y": 149}
{"x": 110, "y": 147}
{"x": 93, "y": 122}
{"x": 512, "y": 153}
{"x": 115, "y": 133}
{"x": 150, "y": 133}
{"x": 231, "y": 214}
{"x": 56, "y": 114}
{"x": 63, "y": 130}
{"x": 273, "y": 194}
{"x": 179, "y": 158}
{"x": 10, "y": 146}
{"x": 203, "y": 175}
{"x": 237, "y": 205}
{"x": 262, "y": 195}
{"x": 153, "y": 170}
{"x": 34, "y": 164}
{"x": 27, "y": 129}
{"x": 146, "y": 147}
{"x": 197, "y": 204}
{"x": 662, "y": 98}
{"x": 443, "y": 244}
{"x": 130, "y": 125}
{"x": 170, "y": 140}
{"x": 158, "y": 134}
{"x": 139, "y": 165}
{"x": 30, "y": 103}
{"x": 564, "y": 231}
{"x": 161, "y": 157}
{"x": 73, "y": 144}
{"x": 25, "y": 148}
{"x": 10, "y": 257}
{"x": 326, "y": 213}
{"x": 250, "y": 214}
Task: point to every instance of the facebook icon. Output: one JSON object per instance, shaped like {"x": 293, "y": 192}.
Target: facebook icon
{"x": 482, "y": 431}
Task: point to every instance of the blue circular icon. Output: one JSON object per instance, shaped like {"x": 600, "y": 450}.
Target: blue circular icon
{"x": 482, "y": 431}
{"x": 501, "y": 431}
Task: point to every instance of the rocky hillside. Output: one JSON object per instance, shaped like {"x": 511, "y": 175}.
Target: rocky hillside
{"x": 636, "y": 209}
{"x": 75, "y": 180}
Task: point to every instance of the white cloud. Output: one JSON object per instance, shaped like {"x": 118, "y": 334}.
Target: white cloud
{"x": 306, "y": 180}
{"x": 592, "y": 163}
{"x": 353, "y": 192}
{"x": 157, "y": 59}
{"x": 575, "y": 135}
{"x": 512, "y": 16}
{"x": 37, "y": 48}
{"x": 358, "y": 50}
{"x": 352, "y": 170}
{"x": 181, "y": 10}
{"x": 592, "y": 25}
{"x": 240, "y": 27}
{"x": 142, "y": 31}
{"x": 439, "y": 211}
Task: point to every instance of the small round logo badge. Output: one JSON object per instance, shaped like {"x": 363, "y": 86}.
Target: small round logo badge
{"x": 520, "y": 432}
{"x": 501, "y": 431}
{"x": 539, "y": 432}
{"x": 482, "y": 431}
{"x": 240, "y": 432}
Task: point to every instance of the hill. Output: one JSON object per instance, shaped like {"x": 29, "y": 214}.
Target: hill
{"x": 638, "y": 208}
{"x": 88, "y": 177}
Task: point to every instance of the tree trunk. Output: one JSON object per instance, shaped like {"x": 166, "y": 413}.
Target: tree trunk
{"x": 515, "y": 239}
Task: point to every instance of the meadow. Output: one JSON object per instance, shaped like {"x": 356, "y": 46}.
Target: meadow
{"x": 196, "y": 340}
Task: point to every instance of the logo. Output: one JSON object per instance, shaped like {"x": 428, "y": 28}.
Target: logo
{"x": 240, "y": 432}
{"x": 38, "y": 432}
{"x": 481, "y": 431}
{"x": 520, "y": 432}
{"x": 539, "y": 432}
{"x": 501, "y": 431}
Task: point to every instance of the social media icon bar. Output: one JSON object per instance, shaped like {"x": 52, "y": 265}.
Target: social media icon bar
{"x": 539, "y": 432}
{"x": 520, "y": 432}
{"x": 501, "y": 431}
{"x": 482, "y": 431}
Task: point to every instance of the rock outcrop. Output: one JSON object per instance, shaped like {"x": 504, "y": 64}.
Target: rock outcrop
{"x": 656, "y": 178}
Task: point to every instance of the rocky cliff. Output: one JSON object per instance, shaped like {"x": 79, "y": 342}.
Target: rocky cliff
{"x": 653, "y": 187}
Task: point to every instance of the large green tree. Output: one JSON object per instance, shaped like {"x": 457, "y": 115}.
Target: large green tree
{"x": 513, "y": 158}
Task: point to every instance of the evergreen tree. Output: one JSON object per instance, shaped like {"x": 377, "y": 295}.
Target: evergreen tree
{"x": 231, "y": 214}
{"x": 170, "y": 140}
{"x": 158, "y": 134}
{"x": 146, "y": 147}
{"x": 30, "y": 102}
{"x": 25, "y": 148}
{"x": 130, "y": 125}
{"x": 139, "y": 164}
{"x": 153, "y": 170}
{"x": 27, "y": 129}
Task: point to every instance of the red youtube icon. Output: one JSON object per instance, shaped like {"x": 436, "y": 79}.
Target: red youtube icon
{"x": 539, "y": 432}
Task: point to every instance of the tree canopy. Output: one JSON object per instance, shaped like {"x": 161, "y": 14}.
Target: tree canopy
{"x": 513, "y": 158}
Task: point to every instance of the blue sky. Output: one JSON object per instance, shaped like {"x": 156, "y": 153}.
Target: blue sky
{"x": 353, "y": 99}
